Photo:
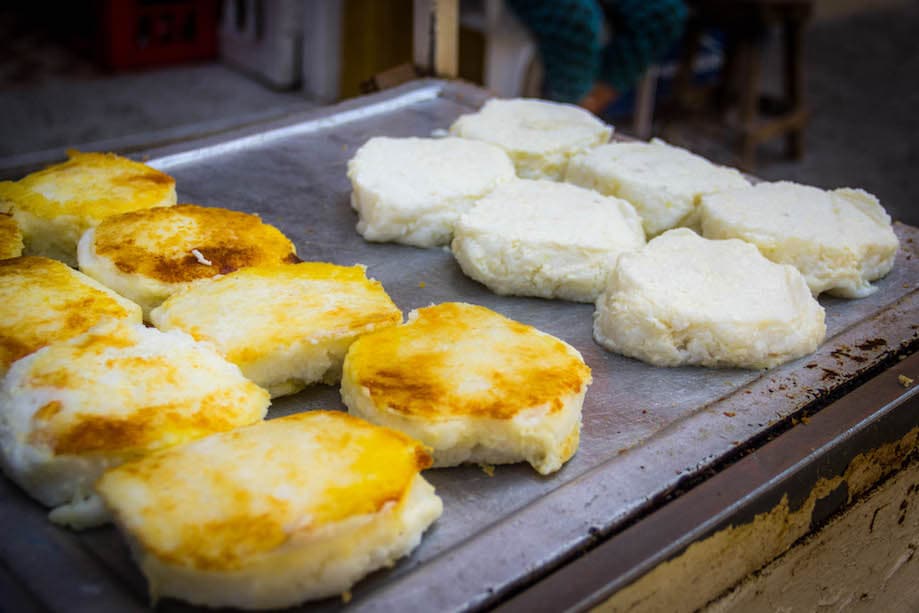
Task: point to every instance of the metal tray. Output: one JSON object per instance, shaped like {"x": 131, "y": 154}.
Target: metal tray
{"x": 646, "y": 430}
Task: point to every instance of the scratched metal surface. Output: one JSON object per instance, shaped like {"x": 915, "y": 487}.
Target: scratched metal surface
{"x": 644, "y": 428}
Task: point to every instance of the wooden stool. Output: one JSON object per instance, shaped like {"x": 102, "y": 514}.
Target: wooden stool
{"x": 745, "y": 24}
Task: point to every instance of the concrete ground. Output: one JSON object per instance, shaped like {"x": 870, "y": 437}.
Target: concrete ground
{"x": 861, "y": 86}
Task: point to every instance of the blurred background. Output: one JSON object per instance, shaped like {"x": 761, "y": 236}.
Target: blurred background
{"x": 823, "y": 92}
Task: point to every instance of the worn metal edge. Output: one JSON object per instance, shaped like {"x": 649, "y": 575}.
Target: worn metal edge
{"x": 818, "y": 468}
{"x": 606, "y": 498}
{"x": 301, "y": 124}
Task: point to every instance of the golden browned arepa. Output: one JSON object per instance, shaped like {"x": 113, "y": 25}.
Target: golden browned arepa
{"x": 286, "y": 325}
{"x": 10, "y": 237}
{"x": 43, "y": 301}
{"x": 291, "y": 509}
{"x": 473, "y": 385}
{"x": 55, "y": 206}
{"x": 149, "y": 255}
{"x": 75, "y": 408}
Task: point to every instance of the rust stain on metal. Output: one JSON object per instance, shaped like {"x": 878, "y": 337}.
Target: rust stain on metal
{"x": 872, "y": 343}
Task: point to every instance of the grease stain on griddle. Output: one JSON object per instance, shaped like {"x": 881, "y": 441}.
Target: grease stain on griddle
{"x": 873, "y": 343}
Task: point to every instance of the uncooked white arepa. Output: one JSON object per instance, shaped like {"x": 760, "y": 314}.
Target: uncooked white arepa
{"x": 471, "y": 384}
{"x": 77, "y": 407}
{"x": 291, "y": 509}
{"x": 684, "y": 299}
{"x": 539, "y": 136}
{"x": 285, "y": 325}
{"x": 412, "y": 190}
{"x": 840, "y": 240}
{"x": 55, "y": 206}
{"x": 664, "y": 183}
{"x": 148, "y": 255}
{"x": 546, "y": 239}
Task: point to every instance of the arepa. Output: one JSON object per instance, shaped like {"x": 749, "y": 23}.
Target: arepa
{"x": 43, "y": 301}
{"x": 77, "y": 407}
{"x": 292, "y": 509}
{"x": 539, "y": 136}
{"x": 148, "y": 255}
{"x": 55, "y": 206}
{"x": 473, "y": 385}
{"x": 286, "y": 326}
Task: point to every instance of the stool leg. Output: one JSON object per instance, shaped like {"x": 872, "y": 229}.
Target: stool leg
{"x": 794, "y": 83}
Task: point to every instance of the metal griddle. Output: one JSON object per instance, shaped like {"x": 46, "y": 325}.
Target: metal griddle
{"x": 646, "y": 431}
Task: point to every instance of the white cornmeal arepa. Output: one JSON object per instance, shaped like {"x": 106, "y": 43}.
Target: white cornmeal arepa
{"x": 285, "y": 326}
{"x": 43, "y": 301}
{"x": 546, "y": 239}
{"x": 292, "y": 509}
{"x": 412, "y": 190}
{"x": 539, "y": 136}
{"x": 55, "y": 206}
{"x": 149, "y": 255}
{"x": 473, "y": 385}
{"x": 664, "y": 183}
{"x": 684, "y": 299}
{"x": 10, "y": 237}
{"x": 75, "y": 408}
{"x": 840, "y": 240}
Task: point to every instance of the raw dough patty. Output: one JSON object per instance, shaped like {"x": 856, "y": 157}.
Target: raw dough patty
{"x": 473, "y": 385}
{"x": 291, "y": 509}
{"x": 412, "y": 190}
{"x": 663, "y": 182}
{"x": 840, "y": 240}
{"x": 547, "y": 239}
{"x": 539, "y": 136}
{"x": 684, "y": 299}
{"x": 286, "y": 326}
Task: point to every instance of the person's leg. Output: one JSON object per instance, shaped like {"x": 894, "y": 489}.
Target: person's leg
{"x": 568, "y": 35}
{"x": 642, "y": 32}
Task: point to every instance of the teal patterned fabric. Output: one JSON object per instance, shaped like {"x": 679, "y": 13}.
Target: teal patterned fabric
{"x": 569, "y": 34}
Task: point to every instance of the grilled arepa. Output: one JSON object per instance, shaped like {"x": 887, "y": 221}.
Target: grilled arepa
{"x": 292, "y": 509}
{"x": 539, "y": 136}
{"x": 54, "y": 206}
{"x": 840, "y": 240}
{"x": 148, "y": 255}
{"x": 43, "y": 301}
{"x": 286, "y": 326}
{"x": 546, "y": 239}
{"x": 664, "y": 183}
{"x": 77, "y": 407}
{"x": 412, "y": 190}
{"x": 473, "y": 385}
{"x": 684, "y": 299}
{"x": 10, "y": 237}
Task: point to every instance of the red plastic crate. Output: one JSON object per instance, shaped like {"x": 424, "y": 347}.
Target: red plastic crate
{"x": 140, "y": 33}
